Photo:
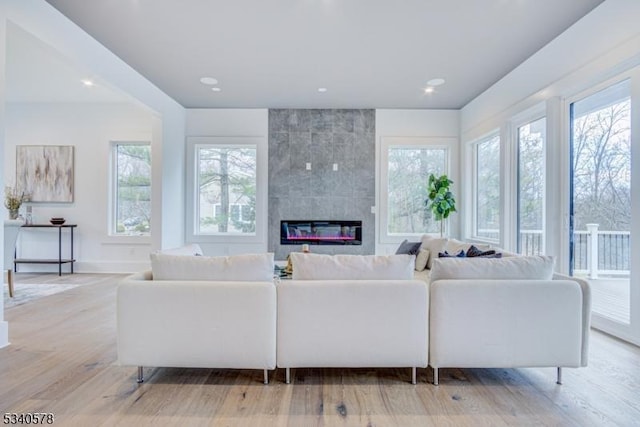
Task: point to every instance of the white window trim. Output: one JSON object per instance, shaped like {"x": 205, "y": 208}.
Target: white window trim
{"x": 113, "y": 194}
{"x": 450, "y": 145}
{"x": 260, "y": 144}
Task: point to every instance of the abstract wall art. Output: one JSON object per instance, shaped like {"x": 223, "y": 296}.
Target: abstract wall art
{"x": 45, "y": 172}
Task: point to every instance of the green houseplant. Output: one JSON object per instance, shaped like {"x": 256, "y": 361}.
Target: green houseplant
{"x": 441, "y": 200}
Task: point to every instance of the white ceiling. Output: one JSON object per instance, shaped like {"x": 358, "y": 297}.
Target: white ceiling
{"x": 367, "y": 53}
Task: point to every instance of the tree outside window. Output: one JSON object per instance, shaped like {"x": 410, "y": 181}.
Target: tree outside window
{"x": 531, "y": 186}
{"x": 487, "y": 184}
{"x": 226, "y": 189}
{"x": 132, "y": 188}
{"x": 602, "y": 159}
{"x": 408, "y": 172}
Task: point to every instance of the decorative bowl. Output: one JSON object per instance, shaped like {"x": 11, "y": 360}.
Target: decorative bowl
{"x": 57, "y": 221}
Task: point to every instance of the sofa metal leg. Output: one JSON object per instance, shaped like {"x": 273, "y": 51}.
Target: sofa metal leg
{"x": 414, "y": 375}
{"x": 435, "y": 376}
{"x": 140, "y": 375}
{"x": 266, "y": 376}
{"x": 559, "y": 379}
{"x": 287, "y": 375}
{"x": 10, "y": 282}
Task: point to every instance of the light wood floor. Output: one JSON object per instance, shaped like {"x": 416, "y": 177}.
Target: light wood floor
{"x": 62, "y": 360}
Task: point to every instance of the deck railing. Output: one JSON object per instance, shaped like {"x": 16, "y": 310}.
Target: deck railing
{"x": 595, "y": 251}
{"x": 601, "y": 252}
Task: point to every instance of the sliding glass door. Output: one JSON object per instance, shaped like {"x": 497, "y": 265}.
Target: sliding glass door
{"x": 601, "y": 214}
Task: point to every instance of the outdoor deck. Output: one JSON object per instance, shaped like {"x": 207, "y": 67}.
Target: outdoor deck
{"x": 611, "y": 297}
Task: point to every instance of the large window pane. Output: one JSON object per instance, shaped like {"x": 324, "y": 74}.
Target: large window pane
{"x": 601, "y": 203}
{"x": 226, "y": 189}
{"x": 132, "y": 189}
{"x": 531, "y": 185}
{"x": 408, "y": 173}
{"x": 487, "y": 187}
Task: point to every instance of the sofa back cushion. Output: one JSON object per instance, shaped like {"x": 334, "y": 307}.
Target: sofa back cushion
{"x": 247, "y": 268}
{"x": 517, "y": 267}
{"x": 352, "y": 267}
{"x": 192, "y": 249}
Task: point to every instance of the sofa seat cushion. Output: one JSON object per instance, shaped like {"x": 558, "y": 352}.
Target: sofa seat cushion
{"x": 247, "y": 267}
{"x": 422, "y": 275}
{"x": 351, "y": 267}
{"x": 511, "y": 268}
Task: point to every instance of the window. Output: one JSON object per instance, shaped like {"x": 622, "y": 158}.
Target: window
{"x": 226, "y": 189}
{"x": 602, "y": 219}
{"x": 408, "y": 173}
{"x": 487, "y": 188}
{"x": 131, "y": 188}
{"x": 531, "y": 187}
{"x": 405, "y": 164}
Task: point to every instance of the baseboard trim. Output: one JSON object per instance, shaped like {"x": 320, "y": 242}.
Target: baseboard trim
{"x": 89, "y": 267}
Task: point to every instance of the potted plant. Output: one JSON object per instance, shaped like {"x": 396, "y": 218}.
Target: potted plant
{"x": 13, "y": 199}
{"x": 441, "y": 200}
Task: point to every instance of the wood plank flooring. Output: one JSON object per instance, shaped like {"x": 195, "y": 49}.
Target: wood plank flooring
{"x": 63, "y": 352}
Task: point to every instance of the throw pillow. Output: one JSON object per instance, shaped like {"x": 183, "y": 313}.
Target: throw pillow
{"x": 475, "y": 252}
{"x": 446, "y": 254}
{"x": 421, "y": 259}
{"x": 308, "y": 266}
{"x": 454, "y": 246}
{"x": 511, "y": 268}
{"x": 408, "y": 248}
{"x": 434, "y": 245}
{"x": 241, "y": 268}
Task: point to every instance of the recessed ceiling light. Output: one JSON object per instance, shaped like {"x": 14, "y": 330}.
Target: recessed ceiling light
{"x": 87, "y": 82}
{"x": 216, "y": 89}
{"x": 322, "y": 89}
{"x": 429, "y": 89}
{"x": 208, "y": 81}
{"x": 435, "y": 82}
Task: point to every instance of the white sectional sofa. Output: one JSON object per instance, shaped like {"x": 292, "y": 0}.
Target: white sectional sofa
{"x": 352, "y": 311}
{"x": 507, "y": 313}
{"x": 199, "y": 312}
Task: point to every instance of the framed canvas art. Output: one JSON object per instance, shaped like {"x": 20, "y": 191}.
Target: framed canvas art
{"x": 45, "y": 172}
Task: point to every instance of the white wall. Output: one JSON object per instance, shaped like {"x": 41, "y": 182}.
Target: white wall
{"x": 252, "y": 123}
{"x": 440, "y": 125}
{"x": 89, "y": 128}
{"x": 47, "y": 24}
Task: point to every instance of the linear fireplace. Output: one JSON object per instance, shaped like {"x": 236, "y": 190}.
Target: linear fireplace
{"x": 320, "y": 232}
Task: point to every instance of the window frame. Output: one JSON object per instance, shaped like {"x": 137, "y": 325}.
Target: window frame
{"x": 448, "y": 144}
{"x": 192, "y": 211}
{"x": 113, "y": 191}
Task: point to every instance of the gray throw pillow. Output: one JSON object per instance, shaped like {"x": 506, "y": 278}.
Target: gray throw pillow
{"x": 408, "y": 248}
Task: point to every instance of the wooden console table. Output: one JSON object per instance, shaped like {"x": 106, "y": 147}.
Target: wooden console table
{"x": 58, "y": 260}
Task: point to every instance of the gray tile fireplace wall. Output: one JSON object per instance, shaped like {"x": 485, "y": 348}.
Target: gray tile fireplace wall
{"x": 305, "y": 148}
